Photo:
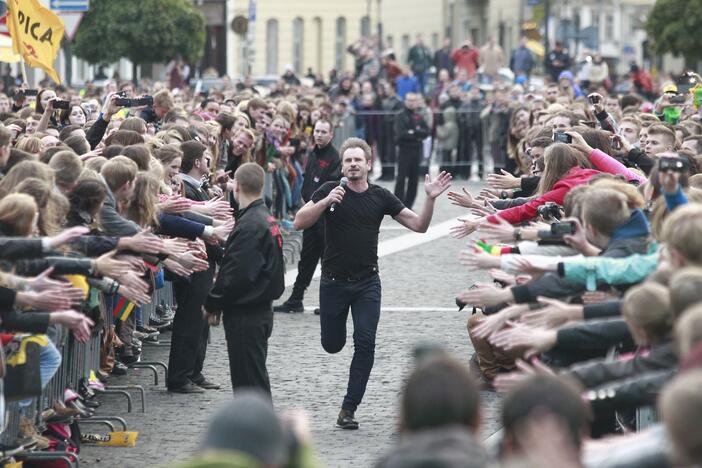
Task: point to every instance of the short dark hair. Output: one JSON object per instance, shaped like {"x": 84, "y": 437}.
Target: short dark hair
{"x": 557, "y": 396}
{"x": 440, "y": 392}
{"x": 226, "y": 120}
{"x": 325, "y": 121}
{"x": 250, "y": 176}
{"x": 67, "y": 130}
{"x": 192, "y": 151}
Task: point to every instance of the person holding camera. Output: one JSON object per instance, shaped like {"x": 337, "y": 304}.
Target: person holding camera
{"x": 153, "y": 114}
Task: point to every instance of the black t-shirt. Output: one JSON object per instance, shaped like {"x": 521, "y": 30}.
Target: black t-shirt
{"x": 351, "y": 231}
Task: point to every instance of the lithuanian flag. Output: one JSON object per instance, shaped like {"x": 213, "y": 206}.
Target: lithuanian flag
{"x": 122, "y": 308}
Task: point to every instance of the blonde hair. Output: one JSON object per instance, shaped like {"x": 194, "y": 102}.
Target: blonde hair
{"x": 648, "y": 307}
{"x": 680, "y": 405}
{"x": 17, "y": 214}
{"x": 143, "y": 207}
{"x": 30, "y": 144}
{"x": 681, "y": 231}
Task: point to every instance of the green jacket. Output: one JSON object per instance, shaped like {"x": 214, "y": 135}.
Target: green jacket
{"x": 628, "y": 270}
{"x": 304, "y": 458}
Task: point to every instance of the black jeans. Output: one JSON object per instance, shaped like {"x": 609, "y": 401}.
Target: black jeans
{"x": 408, "y": 172}
{"x": 312, "y": 249}
{"x": 247, "y": 344}
{"x": 363, "y": 297}
{"x": 190, "y": 330}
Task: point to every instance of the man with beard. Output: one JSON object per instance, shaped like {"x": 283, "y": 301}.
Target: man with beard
{"x": 323, "y": 166}
{"x": 352, "y": 218}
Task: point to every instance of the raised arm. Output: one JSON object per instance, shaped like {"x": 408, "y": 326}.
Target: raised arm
{"x": 433, "y": 188}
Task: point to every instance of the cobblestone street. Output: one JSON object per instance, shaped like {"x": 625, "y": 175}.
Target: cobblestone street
{"x": 419, "y": 284}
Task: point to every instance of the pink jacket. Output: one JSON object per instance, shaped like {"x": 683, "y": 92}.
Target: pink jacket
{"x": 574, "y": 177}
{"x": 607, "y": 163}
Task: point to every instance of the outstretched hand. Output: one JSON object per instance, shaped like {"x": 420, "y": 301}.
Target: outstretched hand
{"x": 436, "y": 187}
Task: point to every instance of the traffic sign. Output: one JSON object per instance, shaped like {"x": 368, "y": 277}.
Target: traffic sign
{"x": 69, "y": 5}
{"x": 71, "y": 21}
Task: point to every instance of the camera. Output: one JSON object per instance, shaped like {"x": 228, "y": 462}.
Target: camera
{"x": 673, "y": 164}
{"x": 678, "y": 99}
{"x": 562, "y": 137}
{"x": 549, "y": 210}
{"x": 135, "y": 102}
{"x": 26, "y": 92}
{"x": 563, "y": 228}
{"x": 594, "y": 99}
{"x": 61, "y": 104}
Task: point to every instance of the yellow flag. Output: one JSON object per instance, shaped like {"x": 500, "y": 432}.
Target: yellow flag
{"x": 36, "y": 34}
{"x": 7, "y": 54}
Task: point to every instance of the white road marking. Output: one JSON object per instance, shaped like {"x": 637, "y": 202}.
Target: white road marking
{"x": 405, "y": 309}
{"x": 391, "y": 246}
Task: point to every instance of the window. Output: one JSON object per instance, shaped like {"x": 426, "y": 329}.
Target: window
{"x": 609, "y": 27}
{"x": 405, "y": 47}
{"x": 365, "y": 26}
{"x": 318, "y": 41}
{"x": 272, "y": 47}
{"x": 340, "y": 44}
{"x": 298, "y": 44}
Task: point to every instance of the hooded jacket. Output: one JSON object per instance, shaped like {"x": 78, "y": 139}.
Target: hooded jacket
{"x": 574, "y": 177}
{"x": 449, "y": 447}
{"x": 630, "y": 238}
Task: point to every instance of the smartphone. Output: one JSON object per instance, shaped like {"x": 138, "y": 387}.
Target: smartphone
{"x": 673, "y": 164}
{"x": 562, "y": 137}
{"x": 31, "y": 92}
{"x": 563, "y": 228}
{"x": 61, "y": 104}
{"x": 594, "y": 99}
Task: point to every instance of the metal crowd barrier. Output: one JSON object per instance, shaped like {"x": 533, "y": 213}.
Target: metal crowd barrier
{"x": 77, "y": 361}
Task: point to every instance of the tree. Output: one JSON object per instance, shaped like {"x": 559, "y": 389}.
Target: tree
{"x": 143, "y": 31}
{"x": 673, "y": 25}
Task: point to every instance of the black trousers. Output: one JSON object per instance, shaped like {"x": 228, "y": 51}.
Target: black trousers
{"x": 312, "y": 250}
{"x": 247, "y": 344}
{"x": 336, "y": 297}
{"x": 408, "y": 173}
{"x": 190, "y": 330}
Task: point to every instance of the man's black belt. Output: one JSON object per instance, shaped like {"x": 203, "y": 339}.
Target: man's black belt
{"x": 350, "y": 279}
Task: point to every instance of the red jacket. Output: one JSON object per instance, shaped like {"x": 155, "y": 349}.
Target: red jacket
{"x": 466, "y": 59}
{"x": 573, "y": 178}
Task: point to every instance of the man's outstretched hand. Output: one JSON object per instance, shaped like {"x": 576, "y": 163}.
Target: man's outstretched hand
{"x": 436, "y": 187}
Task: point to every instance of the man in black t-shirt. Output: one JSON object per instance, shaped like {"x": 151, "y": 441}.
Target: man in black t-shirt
{"x": 352, "y": 218}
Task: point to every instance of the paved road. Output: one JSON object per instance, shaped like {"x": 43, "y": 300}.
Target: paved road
{"x": 419, "y": 284}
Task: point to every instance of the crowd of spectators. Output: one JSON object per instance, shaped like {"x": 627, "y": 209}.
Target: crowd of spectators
{"x": 589, "y": 228}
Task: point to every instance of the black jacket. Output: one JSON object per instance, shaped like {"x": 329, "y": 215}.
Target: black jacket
{"x": 410, "y": 128}
{"x": 13, "y": 248}
{"x": 252, "y": 274}
{"x": 598, "y": 373}
{"x": 323, "y": 165}
{"x": 197, "y": 193}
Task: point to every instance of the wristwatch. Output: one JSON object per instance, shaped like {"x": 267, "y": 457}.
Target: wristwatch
{"x": 518, "y": 234}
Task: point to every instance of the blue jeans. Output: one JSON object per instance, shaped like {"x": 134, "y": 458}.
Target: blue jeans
{"x": 49, "y": 362}
{"x": 336, "y": 296}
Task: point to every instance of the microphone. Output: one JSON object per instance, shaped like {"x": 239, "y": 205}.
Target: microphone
{"x": 342, "y": 184}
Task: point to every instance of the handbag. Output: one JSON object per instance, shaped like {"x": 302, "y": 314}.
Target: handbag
{"x": 23, "y": 378}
